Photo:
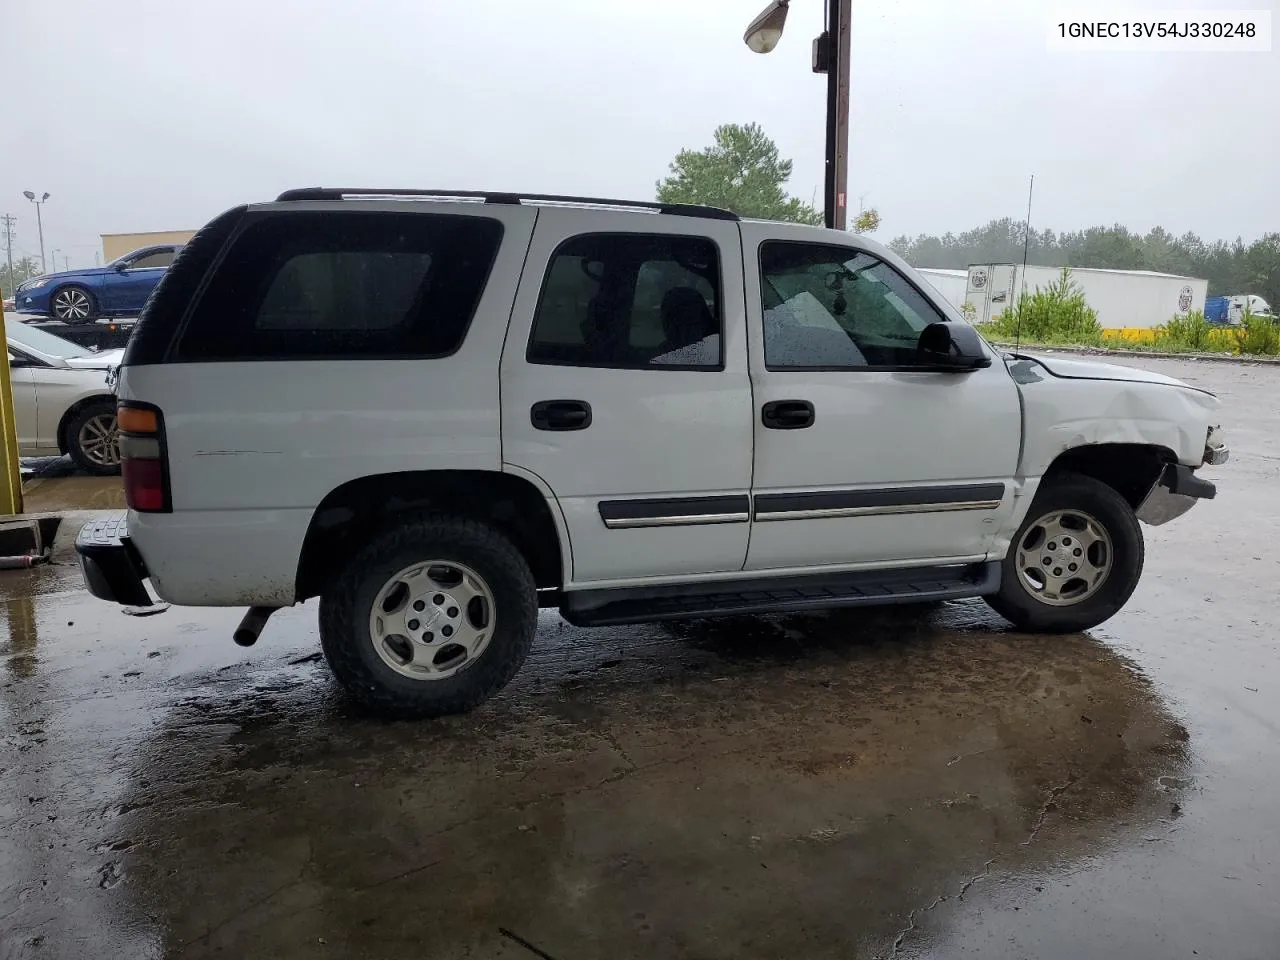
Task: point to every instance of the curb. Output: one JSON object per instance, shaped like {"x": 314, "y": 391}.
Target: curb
{"x": 1151, "y": 354}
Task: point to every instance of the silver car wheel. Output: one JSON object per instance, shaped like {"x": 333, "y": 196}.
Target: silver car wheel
{"x": 1064, "y": 557}
{"x": 71, "y": 304}
{"x": 431, "y": 620}
{"x": 99, "y": 440}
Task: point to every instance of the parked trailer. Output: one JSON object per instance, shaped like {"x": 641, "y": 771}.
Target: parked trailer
{"x": 950, "y": 283}
{"x": 1224, "y": 311}
{"x": 1122, "y": 298}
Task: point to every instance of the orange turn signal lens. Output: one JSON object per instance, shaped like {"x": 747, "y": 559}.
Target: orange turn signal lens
{"x": 136, "y": 420}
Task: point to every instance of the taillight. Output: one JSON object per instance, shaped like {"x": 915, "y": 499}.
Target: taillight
{"x": 143, "y": 460}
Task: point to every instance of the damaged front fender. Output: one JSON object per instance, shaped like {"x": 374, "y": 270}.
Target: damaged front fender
{"x": 1063, "y": 413}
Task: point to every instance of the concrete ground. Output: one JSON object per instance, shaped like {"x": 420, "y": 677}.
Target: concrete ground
{"x": 890, "y": 783}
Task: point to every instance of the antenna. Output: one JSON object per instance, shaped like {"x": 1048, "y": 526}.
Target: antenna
{"x": 1026, "y": 242}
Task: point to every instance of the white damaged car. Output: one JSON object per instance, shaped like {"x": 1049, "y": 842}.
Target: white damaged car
{"x": 438, "y": 413}
{"x": 63, "y": 398}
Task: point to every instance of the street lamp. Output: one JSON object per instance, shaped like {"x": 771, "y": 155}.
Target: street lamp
{"x": 30, "y": 195}
{"x": 765, "y": 31}
{"x": 830, "y": 56}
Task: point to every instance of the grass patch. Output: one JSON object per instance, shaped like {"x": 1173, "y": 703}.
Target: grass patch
{"x": 1057, "y": 315}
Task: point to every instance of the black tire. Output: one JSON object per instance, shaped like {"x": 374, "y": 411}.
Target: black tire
{"x": 346, "y": 604}
{"x": 71, "y": 300}
{"x": 81, "y": 432}
{"x": 1017, "y": 601}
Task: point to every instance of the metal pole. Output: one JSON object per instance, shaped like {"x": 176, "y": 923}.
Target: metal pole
{"x": 837, "y": 173}
{"x": 44, "y": 267}
{"x": 10, "y": 472}
{"x": 9, "y": 221}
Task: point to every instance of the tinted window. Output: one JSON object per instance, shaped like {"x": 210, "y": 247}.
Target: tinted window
{"x": 161, "y": 258}
{"x": 337, "y": 284}
{"x": 631, "y": 301}
{"x": 831, "y": 306}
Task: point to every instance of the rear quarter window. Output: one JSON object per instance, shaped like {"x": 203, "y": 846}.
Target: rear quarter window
{"x": 343, "y": 284}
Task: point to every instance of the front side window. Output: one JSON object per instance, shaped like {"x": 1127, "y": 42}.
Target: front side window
{"x": 344, "y": 284}
{"x": 835, "y": 307}
{"x": 630, "y": 301}
{"x": 160, "y": 258}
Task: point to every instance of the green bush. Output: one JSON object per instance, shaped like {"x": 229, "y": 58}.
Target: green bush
{"x": 1057, "y": 314}
{"x": 1189, "y": 334}
{"x": 1258, "y": 335}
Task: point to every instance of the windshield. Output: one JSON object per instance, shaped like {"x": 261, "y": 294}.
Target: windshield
{"x": 43, "y": 341}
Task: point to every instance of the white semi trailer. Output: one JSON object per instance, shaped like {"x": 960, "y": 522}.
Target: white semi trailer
{"x": 950, "y": 283}
{"x": 1122, "y": 298}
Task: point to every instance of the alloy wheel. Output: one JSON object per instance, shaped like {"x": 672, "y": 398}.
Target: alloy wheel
{"x": 1064, "y": 557}
{"x": 71, "y": 304}
{"x": 432, "y": 619}
{"x": 99, "y": 440}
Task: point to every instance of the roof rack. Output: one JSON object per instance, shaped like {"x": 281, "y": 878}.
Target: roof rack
{"x": 341, "y": 193}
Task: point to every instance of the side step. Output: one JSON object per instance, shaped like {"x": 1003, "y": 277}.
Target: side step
{"x": 595, "y": 608}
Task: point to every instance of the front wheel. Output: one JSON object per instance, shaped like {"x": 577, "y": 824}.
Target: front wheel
{"x": 430, "y": 618}
{"x": 1074, "y": 562}
{"x": 93, "y": 439}
{"x": 73, "y": 305}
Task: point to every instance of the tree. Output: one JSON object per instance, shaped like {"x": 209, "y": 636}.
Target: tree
{"x": 742, "y": 172}
{"x": 1230, "y": 267}
{"x": 868, "y": 221}
{"x": 23, "y": 270}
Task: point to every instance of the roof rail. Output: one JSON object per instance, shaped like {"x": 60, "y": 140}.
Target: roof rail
{"x": 341, "y": 193}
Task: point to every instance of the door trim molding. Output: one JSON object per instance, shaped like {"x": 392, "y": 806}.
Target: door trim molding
{"x": 883, "y": 500}
{"x": 812, "y": 505}
{"x": 674, "y": 511}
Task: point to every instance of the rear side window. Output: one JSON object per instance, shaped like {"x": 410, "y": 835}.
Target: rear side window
{"x": 630, "y": 301}
{"x": 344, "y": 284}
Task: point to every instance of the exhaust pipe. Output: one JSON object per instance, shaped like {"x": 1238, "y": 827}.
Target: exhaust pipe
{"x": 255, "y": 618}
{"x": 23, "y": 561}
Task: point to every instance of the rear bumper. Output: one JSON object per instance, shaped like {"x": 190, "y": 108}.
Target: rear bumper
{"x": 113, "y": 570}
{"x": 1174, "y": 494}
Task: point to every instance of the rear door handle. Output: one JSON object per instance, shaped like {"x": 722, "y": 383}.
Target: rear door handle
{"x": 560, "y": 415}
{"x": 787, "y": 414}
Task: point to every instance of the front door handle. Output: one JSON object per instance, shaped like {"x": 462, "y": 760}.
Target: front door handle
{"x": 787, "y": 414}
{"x": 560, "y": 415}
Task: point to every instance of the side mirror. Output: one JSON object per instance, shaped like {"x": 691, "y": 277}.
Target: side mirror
{"x": 15, "y": 361}
{"x": 120, "y": 267}
{"x": 953, "y": 346}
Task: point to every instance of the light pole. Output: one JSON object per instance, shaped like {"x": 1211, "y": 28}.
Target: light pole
{"x": 44, "y": 267}
{"x": 830, "y": 56}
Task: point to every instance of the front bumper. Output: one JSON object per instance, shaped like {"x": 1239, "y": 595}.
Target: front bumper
{"x": 112, "y": 567}
{"x": 1216, "y": 451}
{"x": 32, "y": 301}
{"x": 1174, "y": 494}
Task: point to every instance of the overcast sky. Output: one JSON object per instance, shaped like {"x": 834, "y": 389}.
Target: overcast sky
{"x": 157, "y": 114}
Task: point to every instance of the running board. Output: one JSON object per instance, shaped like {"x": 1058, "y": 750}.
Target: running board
{"x": 597, "y": 608}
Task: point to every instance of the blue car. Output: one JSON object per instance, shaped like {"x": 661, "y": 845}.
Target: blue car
{"x": 81, "y": 296}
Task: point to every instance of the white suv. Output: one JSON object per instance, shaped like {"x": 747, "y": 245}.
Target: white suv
{"x": 438, "y": 412}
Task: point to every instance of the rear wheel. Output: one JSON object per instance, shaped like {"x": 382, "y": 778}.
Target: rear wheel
{"x": 73, "y": 305}
{"x": 92, "y": 438}
{"x": 430, "y": 618}
{"x": 1075, "y": 561}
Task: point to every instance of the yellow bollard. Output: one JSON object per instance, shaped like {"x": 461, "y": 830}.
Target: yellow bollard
{"x": 10, "y": 474}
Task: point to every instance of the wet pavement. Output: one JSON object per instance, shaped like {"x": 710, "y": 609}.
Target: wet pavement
{"x": 879, "y": 783}
{"x": 54, "y": 484}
